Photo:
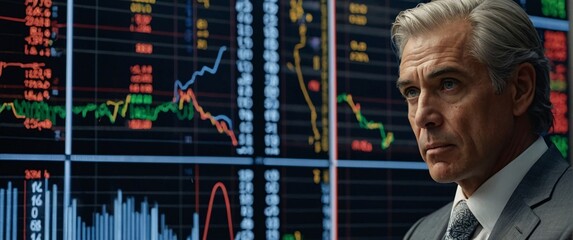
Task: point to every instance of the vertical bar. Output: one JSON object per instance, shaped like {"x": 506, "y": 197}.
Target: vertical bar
{"x": 67, "y": 221}
{"x": 163, "y": 228}
{"x": 69, "y": 77}
{"x": 136, "y": 225}
{"x": 195, "y": 228}
{"x": 124, "y": 220}
{"x": 54, "y": 211}
{"x": 8, "y": 210}
{"x": 74, "y": 217}
{"x": 144, "y": 217}
{"x": 332, "y": 119}
{"x": 154, "y": 223}
{"x": 68, "y": 126}
{"x": 14, "y": 212}
{"x": 1, "y": 212}
{"x": 132, "y": 217}
{"x": 100, "y": 227}
{"x": 47, "y": 213}
{"x": 105, "y": 222}
{"x": 67, "y": 186}
{"x": 117, "y": 214}
{"x": 77, "y": 228}
{"x": 97, "y": 235}
{"x": 127, "y": 215}
{"x": 111, "y": 227}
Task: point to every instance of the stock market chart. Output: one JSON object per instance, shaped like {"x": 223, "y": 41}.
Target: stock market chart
{"x": 200, "y": 119}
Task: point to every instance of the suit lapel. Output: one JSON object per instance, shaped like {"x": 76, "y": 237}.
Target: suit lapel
{"x": 517, "y": 220}
{"x": 442, "y": 224}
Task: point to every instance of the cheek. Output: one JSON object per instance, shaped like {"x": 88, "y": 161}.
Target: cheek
{"x": 412, "y": 115}
{"x": 413, "y": 125}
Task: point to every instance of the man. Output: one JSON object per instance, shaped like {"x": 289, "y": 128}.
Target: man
{"x": 476, "y": 81}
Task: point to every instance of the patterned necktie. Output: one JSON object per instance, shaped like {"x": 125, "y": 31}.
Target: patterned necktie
{"x": 462, "y": 224}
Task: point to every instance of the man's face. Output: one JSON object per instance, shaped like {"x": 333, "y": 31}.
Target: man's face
{"x": 462, "y": 126}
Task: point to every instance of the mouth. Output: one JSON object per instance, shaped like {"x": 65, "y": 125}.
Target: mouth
{"x": 432, "y": 149}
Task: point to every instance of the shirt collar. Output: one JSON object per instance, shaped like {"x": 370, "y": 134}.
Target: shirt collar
{"x": 488, "y": 201}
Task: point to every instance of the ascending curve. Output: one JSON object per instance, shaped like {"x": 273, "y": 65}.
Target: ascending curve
{"x": 211, "y": 70}
{"x": 182, "y": 92}
{"x": 227, "y": 207}
{"x": 386, "y": 137}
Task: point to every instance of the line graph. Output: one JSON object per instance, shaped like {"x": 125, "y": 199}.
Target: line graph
{"x": 386, "y": 137}
{"x": 184, "y": 108}
{"x": 372, "y": 119}
{"x": 182, "y": 93}
{"x": 318, "y": 108}
{"x": 227, "y": 208}
{"x": 32, "y": 65}
{"x": 112, "y": 110}
{"x": 178, "y": 85}
{"x": 223, "y": 126}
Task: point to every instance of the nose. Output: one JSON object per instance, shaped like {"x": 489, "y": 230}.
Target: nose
{"x": 427, "y": 114}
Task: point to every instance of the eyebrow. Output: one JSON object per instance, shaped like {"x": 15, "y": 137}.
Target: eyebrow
{"x": 402, "y": 82}
{"x": 433, "y": 74}
{"x": 444, "y": 70}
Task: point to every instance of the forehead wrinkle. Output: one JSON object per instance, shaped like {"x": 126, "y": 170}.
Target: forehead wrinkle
{"x": 427, "y": 55}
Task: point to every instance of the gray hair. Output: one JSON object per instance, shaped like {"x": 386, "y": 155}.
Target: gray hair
{"x": 503, "y": 37}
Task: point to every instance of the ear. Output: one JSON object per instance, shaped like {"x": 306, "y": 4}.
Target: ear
{"x": 524, "y": 88}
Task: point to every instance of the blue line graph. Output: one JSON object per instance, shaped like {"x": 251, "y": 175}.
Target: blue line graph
{"x": 212, "y": 70}
{"x": 201, "y": 72}
{"x": 226, "y": 119}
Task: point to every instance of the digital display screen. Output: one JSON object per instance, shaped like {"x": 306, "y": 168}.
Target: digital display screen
{"x": 200, "y": 119}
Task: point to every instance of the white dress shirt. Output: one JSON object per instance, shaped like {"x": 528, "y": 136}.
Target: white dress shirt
{"x": 488, "y": 201}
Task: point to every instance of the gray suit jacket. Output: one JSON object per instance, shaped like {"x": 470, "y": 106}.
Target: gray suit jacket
{"x": 541, "y": 207}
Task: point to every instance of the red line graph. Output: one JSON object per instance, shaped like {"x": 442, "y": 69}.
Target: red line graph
{"x": 12, "y": 19}
{"x": 221, "y": 126}
{"x": 227, "y": 207}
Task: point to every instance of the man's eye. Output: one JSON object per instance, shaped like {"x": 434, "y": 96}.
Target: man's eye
{"x": 411, "y": 92}
{"x": 449, "y": 84}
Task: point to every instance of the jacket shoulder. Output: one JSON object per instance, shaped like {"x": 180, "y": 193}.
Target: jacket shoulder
{"x": 432, "y": 226}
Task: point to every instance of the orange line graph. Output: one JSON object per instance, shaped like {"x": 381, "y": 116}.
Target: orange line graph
{"x": 221, "y": 126}
{"x": 318, "y": 139}
{"x": 227, "y": 207}
{"x": 33, "y": 65}
{"x": 10, "y": 106}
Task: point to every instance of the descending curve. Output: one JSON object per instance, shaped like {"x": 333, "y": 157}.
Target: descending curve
{"x": 386, "y": 137}
{"x": 297, "y": 15}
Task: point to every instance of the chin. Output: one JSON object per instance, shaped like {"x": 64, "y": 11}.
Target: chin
{"x": 441, "y": 173}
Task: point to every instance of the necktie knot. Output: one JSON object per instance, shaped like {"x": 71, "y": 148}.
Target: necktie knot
{"x": 463, "y": 223}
